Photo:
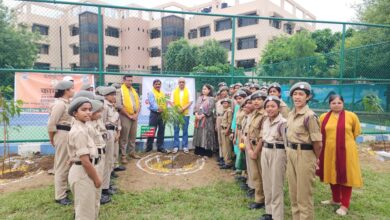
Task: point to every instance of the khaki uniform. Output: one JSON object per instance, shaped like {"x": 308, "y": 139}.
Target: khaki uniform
{"x": 82, "y": 186}
{"x": 227, "y": 149}
{"x": 283, "y": 109}
{"x": 302, "y": 128}
{"x": 246, "y": 121}
{"x": 60, "y": 123}
{"x": 219, "y": 112}
{"x": 273, "y": 164}
{"x": 239, "y": 127}
{"x": 254, "y": 136}
{"x": 128, "y": 133}
{"x": 95, "y": 132}
{"x": 111, "y": 121}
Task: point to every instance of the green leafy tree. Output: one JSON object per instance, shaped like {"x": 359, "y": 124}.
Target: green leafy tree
{"x": 17, "y": 45}
{"x": 211, "y": 53}
{"x": 181, "y": 56}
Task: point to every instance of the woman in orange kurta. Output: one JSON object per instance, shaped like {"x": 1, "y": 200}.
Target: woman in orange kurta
{"x": 339, "y": 163}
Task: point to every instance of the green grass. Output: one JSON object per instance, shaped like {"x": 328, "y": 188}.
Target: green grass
{"x": 218, "y": 201}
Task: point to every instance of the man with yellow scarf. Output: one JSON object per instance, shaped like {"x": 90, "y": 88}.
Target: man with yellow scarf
{"x": 181, "y": 97}
{"x": 157, "y": 104}
{"x": 128, "y": 104}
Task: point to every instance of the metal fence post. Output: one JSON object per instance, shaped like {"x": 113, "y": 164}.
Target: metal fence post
{"x": 100, "y": 45}
{"x": 342, "y": 52}
{"x": 233, "y": 49}
{"x": 354, "y": 76}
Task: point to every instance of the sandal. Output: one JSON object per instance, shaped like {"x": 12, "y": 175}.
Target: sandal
{"x": 330, "y": 202}
{"x": 342, "y": 211}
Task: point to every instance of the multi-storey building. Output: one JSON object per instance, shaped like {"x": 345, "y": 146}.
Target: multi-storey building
{"x": 137, "y": 40}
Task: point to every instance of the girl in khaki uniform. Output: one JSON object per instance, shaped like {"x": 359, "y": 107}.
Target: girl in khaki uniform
{"x": 273, "y": 159}
{"x": 84, "y": 179}
{"x": 253, "y": 147}
{"x": 58, "y": 127}
{"x": 276, "y": 90}
{"x": 305, "y": 142}
{"x": 226, "y": 122}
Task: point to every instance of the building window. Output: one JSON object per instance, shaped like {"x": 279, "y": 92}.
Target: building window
{"x": 223, "y": 24}
{"x": 226, "y": 44}
{"x": 43, "y": 48}
{"x": 74, "y": 31}
{"x": 288, "y": 28}
{"x": 73, "y": 66}
{"x": 112, "y": 51}
{"x": 75, "y": 49}
{"x": 275, "y": 23}
{"x": 204, "y": 31}
{"x": 247, "y": 43}
{"x": 155, "y": 52}
{"x": 246, "y": 64}
{"x": 155, "y": 33}
{"x": 112, "y": 68}
{"x": 112, "y": 32}
{"x": 193, "y": 34}
{"x": 242, "y": 22}
{"x": 42, "y": 66}
{"x": 155, "y": 69}
{"x": 43, "y": 30}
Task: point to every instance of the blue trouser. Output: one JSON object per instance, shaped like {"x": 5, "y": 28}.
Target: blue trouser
{"x": 156, "y": 121}
{"x": 176, "y": 141}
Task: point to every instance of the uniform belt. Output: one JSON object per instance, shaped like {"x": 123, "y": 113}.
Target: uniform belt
{"x": 101, "y": 150}
{"x": 277, "y": 146}
{"x": 63, "y": 127}
{"x": 93, "y": 161}
{"x": 111, "y": 127}
{"x": 223, "y": 127}
{"x": 219, "y": 115}
{"x": 303, "y": 146}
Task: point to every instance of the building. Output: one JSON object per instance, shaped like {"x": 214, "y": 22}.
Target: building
{"x": 136, "y": 40}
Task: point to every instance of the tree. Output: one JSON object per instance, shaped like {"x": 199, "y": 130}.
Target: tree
{"x": 17, "y": 45}
{"x": 212, "y": 53}
{"x": 181, "y": 56}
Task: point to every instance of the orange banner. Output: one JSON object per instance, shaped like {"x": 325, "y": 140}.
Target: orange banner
{"x": 37, "y": 89}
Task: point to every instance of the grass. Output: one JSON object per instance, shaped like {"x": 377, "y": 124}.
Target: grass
{"x": 218, "y": 201}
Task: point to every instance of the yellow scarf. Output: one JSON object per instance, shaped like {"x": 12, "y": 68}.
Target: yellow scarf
{"x": 181, "y": 102}
{"x": 160, "y": 99}
{"x": 127, "y": 102}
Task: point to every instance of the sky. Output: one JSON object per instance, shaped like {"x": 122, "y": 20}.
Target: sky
{"x": 332, "y": 10}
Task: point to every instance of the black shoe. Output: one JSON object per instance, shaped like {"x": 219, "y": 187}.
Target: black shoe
{"x": 266, "y": 217}
{"x": 64, "y": 201}
{"x": 108, "y": 192}
{"x": 226, "y": 167}
{"x": 255, "y": 205}
{"x": 241, "y": 179}
{"x": 148, "y": 149}
{"x": 244, "y": 186}
{"x": 162, "y": 150}
{"x": 113, "y": 189}
{"x": 114, "y": 175}
{"x": 250, "y": 193}
{"x": 104, "y": 199}
{"x": 119, "y": 168}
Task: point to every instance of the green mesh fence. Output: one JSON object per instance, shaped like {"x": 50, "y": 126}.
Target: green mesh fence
{"x": 210, "y": 43}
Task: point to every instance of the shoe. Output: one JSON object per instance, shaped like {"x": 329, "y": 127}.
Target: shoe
{"x": 255, "y": 205}
{"x": 330, "y": 202}
{"x": 113, "y": 189}
{"x": 119, "y": 168}
{"x": 164, "y": 151}
{"x": 250, "y": 193}
{"x": 134, "y": 156}
{"x": 226, "y": 167}
{"x": 108, "y": 192}
{"x": 64, "y": 201}
{"x": 114, "y": 175}
{"x": 244, "y": 186}
{"x": 186, "y": 151}
{"x": 148, "y": 149}
{"x": 124, "y": 160}
{"x": 104, "y": 199}
{"x": 221, "y": 163}
{"x": 175, "y": 150}
{"x": 342, "y": 211}
{"x": 240, "y": 179}
{"x": 266, "y": 217}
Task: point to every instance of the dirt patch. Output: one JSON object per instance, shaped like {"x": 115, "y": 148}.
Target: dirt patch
{"x": 369, "y": 158}
{"x": 17, "y": 167}
{"x": 135, "y": 179}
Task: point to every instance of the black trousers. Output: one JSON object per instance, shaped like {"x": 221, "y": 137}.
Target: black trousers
{"x": 156, "y": 121}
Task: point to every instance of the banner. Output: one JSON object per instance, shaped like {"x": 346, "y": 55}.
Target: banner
{"x": 168, "y": 84}
{"x": 37, "y": 89}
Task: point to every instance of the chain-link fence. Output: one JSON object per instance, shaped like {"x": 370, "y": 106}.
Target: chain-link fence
{"x": 233, "y": 41}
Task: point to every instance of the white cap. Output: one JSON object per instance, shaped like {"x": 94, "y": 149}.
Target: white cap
{"x": 68, "y": 78}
